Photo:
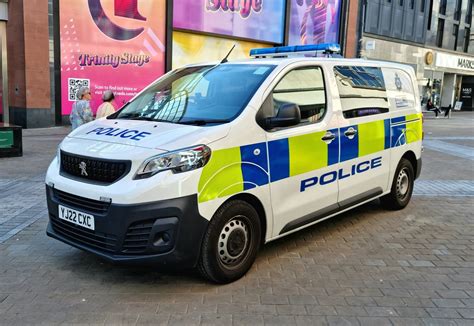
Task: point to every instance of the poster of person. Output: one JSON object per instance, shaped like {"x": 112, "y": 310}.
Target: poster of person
{"x": 314, "y": 21}
{"x": 110, "y": 45}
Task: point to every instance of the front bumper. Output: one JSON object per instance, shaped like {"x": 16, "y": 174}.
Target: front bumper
{"x": 164, "y": 232}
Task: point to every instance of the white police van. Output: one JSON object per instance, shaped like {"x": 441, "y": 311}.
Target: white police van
{"x": 212, "y": 161}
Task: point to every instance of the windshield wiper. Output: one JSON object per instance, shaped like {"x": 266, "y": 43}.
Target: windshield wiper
{"x": 143, "y": 118}
{"x": 202, "y": 122}
{"x": 135, "y": 117}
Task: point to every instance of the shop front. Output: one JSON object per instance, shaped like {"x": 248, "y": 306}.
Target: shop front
{"x": 10, "y": 135}
{"x": 458, "y": 79}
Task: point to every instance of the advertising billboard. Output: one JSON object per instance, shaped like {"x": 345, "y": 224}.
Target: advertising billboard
{"x": 191, "y": 48}
{"x": 110, "y": 44}
{"x": 314, "y": 21}
{"x": 260, "y": 20}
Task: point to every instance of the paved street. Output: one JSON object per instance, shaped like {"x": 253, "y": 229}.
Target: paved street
{"x": 366, "y": 267}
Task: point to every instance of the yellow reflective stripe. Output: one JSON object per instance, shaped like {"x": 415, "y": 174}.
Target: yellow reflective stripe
{"x": 413, "y": 116}
{"x": 371, "y": 137}
{"x": 414, "y": 131}
{"x": 222, "y": 175}
{"x": 307, "y": 153}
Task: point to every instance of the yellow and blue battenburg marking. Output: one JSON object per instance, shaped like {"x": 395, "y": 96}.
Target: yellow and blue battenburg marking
{"x": 369, "y": 138}
{"x": 236, "y": 169}
{"x": 406, "y": 129}
{"x": 301, "y": 154}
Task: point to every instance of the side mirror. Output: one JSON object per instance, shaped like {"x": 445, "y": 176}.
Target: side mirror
{"x": 288, "y": 115}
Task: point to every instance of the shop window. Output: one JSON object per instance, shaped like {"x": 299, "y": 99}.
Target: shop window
{"x": 439, "y": 34}
{"x": 455, "y": 34}
{"x": 430, "y": 15}
{"x": 468, "y": 19}
{"x": 457, "y": 12}
{"x": 467, "y": 34}
{"x": 361, "y": 90}
{"x": 442, "y": 7}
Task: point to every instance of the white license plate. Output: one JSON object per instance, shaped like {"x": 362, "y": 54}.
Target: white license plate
{"x": 76, "y": 217}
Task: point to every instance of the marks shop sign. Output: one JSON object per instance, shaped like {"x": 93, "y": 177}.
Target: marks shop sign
{"x": 454, "y": 61}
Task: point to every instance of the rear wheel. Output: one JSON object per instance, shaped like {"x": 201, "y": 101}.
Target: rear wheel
{"x": 231, "y": 242}
{"x": 402, "y": 186}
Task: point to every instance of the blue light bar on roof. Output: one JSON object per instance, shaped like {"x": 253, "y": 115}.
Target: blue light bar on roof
{"x": 326, "y": 47}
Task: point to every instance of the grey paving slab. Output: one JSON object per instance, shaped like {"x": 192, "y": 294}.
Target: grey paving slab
{"x": 366, "y": 267}
{"x": 448, "y": 188}
{"x": 450, "y": 148}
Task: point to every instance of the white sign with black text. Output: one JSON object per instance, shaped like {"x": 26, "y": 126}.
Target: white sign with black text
{"x": 455, "y": 61}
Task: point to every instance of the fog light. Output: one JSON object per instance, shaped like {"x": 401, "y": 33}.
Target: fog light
{"x": 161, "y": 239}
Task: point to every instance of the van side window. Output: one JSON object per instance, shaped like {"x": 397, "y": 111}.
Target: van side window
{"x": 362, "y": 91}
{"x": 304, "y": 87}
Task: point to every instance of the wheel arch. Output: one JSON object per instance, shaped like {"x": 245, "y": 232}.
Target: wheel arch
{"x": 410, "y": 156}
{"x": 257, "y": 204}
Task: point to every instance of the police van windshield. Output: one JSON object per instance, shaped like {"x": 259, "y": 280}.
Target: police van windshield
{"x": 203, "y": 95}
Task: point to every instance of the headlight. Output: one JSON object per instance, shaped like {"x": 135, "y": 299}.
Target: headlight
{"x": 183, "y": 160}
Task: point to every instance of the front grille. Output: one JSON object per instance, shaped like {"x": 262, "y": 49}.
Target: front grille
{"x": 92, "y": 169}
{"x": 81, "y": 235}
{"x": 136, "y": 239}
{"x": 81, "y": 203}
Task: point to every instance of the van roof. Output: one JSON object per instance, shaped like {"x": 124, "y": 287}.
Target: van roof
{"x": 317, "y": 60}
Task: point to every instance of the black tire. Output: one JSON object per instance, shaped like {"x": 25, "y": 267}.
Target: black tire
{"x": 231, "y": 242}
{"x": 402, "y": 187}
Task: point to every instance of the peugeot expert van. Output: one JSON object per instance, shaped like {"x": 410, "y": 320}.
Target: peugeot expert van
{"x": 212, "y": 161}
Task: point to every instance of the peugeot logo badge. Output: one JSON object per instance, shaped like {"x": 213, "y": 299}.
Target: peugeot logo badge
{"x": 83, "y": 167}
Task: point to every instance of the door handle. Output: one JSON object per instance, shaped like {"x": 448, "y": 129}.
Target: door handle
{"x": 328, "y": 137}
{"x": 350, "y": 133}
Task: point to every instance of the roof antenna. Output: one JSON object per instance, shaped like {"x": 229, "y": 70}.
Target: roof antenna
{"x": 225, "y": 58}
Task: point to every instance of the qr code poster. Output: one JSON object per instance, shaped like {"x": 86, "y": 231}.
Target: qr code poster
{"x": 73, "y": 87}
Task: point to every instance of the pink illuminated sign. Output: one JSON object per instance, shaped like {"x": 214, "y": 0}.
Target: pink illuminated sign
{"x": 110, "y": 44}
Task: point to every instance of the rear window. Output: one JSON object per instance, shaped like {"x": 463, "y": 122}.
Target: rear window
{"x": 362, "y": 91}
{"x": 399, "y": 88}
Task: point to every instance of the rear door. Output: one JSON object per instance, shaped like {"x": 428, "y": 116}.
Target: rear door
{"x": 364, "y": 134}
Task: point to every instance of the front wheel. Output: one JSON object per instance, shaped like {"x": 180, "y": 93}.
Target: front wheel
{"x": 402, "y": 187}
{"x": 231, "y": 242}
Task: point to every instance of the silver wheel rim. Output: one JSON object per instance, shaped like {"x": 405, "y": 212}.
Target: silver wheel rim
{"x": 233, "y": 241}
{"x": 403, "y": 183}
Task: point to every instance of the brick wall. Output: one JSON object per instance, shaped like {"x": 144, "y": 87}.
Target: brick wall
{"x": 28, "y": 63}
{"x": 38, "y": 88}
{"x": 16, "y": 54}
{"x": 352, "y": 24}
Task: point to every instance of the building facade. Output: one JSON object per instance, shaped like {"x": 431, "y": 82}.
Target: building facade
{"x": 56, "y": 46}
{"x": 433, "y": 36}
